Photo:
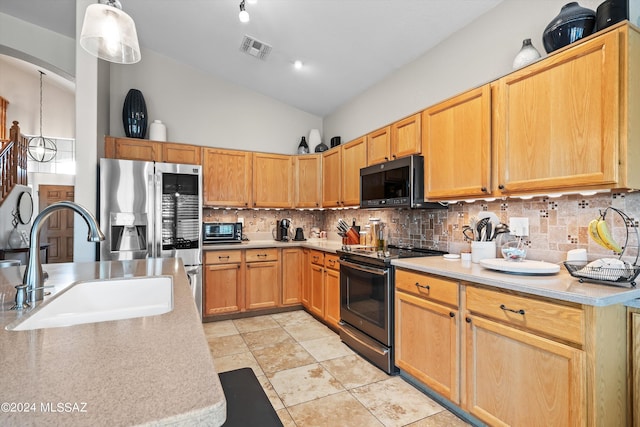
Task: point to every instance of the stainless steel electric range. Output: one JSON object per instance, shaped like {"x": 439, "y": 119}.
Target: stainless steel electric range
{"x": 367, "y": 300}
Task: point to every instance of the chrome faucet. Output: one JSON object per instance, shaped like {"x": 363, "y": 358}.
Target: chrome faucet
{"x": 33, "y": 277}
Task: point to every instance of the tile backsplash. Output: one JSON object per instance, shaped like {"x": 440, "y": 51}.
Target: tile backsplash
{"x": 556, "y": 225}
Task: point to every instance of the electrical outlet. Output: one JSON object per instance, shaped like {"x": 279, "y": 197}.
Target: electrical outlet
{"x": 519, "y": 226}
{"x": 241, "y": 220}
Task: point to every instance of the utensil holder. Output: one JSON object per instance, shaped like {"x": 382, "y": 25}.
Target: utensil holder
{"x": 483, "y": 250}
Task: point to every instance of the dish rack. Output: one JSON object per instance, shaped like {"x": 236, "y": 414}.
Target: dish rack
{"x": 620, "y": 275}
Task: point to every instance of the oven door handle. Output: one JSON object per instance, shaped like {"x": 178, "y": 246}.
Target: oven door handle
{"x": 360, "y": 267}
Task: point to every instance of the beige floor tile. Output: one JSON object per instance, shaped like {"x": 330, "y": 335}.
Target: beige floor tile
{"x": 281, "y": 356}
{"x": 326, "y": 348}
{"x": 224, "y": 346}
{"x": 258, "y": 323}
{"x": 309, "y": 330}
{"x": 292, "y": 317}
{"x": 270, "y": 392}
{"x": 259, "y": 339}
{"x": 222, "y": 328}
{"x": 394, "y": 402}
{"x": 237, "y": 361}
{"x": 302, "y": 384}
{"x": 340, "y": 409}
{"x": 441, "y": 419}
{"x": 286, "y": 419}
{"x": 353, "y": 371}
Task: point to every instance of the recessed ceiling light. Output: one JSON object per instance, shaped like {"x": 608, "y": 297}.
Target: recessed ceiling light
{"x": 297, "y": 65}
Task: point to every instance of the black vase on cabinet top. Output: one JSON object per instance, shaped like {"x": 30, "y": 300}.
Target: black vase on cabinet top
{"x": 134, "y": 115}
{"x": 572, "y": 23}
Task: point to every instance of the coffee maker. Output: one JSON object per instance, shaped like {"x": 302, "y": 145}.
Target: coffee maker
{"x": 283, "y": 234}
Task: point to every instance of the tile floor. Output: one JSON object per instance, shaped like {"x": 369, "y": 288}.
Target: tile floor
{"x": 313, "y": 379}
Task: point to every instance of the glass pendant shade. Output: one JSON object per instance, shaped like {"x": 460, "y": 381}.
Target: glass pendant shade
{"x": 110, "y": 34}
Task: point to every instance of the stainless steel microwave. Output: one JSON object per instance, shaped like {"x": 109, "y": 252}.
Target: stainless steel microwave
{"x": 221, "y": 232}
{"x": 395, "y": 184}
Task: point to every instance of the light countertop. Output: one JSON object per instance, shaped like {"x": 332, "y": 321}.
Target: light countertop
{"x": 560, "y": 286}
{"x": 154, "y": 370}
{"x": 326, "y": 245}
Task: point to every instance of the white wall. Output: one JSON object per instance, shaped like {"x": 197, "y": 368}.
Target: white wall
{"x": 477, "y": 54}
{"x": 20, "y": 85}
{"x": 204, "y": 110}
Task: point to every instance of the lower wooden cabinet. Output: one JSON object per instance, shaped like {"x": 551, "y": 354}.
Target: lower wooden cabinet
{"x": 262, "y": 286}
{"x": 634, "y": 364}
{"x": 292, "y": 275}
{"x": 223, "y": 283}
{"x": 427, "y": 331}
{"x": 316, "y": 303}
{"x": 305, "y": 296}
{"x": 332, "y": 290}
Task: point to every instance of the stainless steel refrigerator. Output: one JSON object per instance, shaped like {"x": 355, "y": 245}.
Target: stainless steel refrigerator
{"x": 152, "y": 210}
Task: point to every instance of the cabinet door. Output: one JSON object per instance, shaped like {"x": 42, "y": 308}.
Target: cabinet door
{"x": 227, "y": 178}
{"x": 316, "y": 305}
{"x": 406, "y": 137}
{"x": 272, "y": 181}
{"x": 292, "y": 268}
{"x": 331, "y": 178}
{"x": 379, "y": 146}
{"x": 332, "y": 297}
{"x": 133, "y": 149}
{"x": 457, "y": 146}
{"x": 181, "y": 153}
{"x": 426, "y": 340}
{"x": 354, "y": 157}
{"x": 222, "y": 285}
{"x": 306, "y": 279}
{"x": 519, "y": 379}
{"x": 308, "y": 181}
{"x": 557, "y": 121}
{"x": 262, "y": 284}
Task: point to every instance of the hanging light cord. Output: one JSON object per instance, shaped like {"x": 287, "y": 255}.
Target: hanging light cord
{"x": 41, "y": 74}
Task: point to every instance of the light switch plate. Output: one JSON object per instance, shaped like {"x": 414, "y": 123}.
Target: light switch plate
{"x": 519, "y": 226}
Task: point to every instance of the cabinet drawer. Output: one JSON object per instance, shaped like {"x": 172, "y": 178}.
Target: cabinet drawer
{"x": 332, "y": 261}
{"x": 253, "y": 255}
{"x": 317, "y": 257}
{"x": 427, "y": 286}
{"x": 556, "y": 320}
{"x": 222, "y": 257}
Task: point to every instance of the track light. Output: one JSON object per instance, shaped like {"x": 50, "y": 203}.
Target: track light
{"x": 243, "y": 15}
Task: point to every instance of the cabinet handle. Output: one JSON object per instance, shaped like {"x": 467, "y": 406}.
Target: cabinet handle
{"x": 505, "y": 308}
{"x": 386, "y": 158}
{"x": 468, "y": 320}
{"x": 427, "y": 287}
{"x": 483, "y": 189}
{"x": 332, "y": 261}
{"x": 261, "y": 255}
{"x": 394, "y": 156}
{"x": 220, "y": 257}
{"x": 452, "y": 314}
{"x": 501, "y": 187}
{"x": 315, "y": 258}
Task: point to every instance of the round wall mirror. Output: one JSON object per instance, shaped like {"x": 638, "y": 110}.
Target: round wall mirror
{"x": 25, "y": 207}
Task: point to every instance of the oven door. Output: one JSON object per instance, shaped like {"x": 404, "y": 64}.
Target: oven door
{"x": 366, "y": 301}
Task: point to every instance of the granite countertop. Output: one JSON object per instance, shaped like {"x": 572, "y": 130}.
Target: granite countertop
{"x": 154, "y": 370}
{"x": 560, "y": 286}
{"x": 326, "y": 245}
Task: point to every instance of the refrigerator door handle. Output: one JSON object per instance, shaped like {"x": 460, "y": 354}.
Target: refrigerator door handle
{"x": 157, "y": 221}
{"x": 151, "y": 217}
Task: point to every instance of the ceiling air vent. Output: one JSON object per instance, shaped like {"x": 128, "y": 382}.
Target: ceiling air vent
{"x": 255, "y": 48}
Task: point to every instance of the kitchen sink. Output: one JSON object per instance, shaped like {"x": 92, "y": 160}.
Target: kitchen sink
{"x": 100, "y": 301}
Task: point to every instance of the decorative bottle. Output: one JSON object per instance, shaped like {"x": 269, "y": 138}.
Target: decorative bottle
{"x": 526, "y": 56}
{"x": 157, "y": 131}
{"x": 303, "y": 148}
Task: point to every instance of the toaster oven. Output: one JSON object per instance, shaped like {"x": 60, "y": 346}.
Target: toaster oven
{"x": 221, "y": 232}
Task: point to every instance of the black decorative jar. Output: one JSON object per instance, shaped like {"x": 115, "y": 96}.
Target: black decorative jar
{"x": 572, "y": 23}
{"x": 134, "y": 115}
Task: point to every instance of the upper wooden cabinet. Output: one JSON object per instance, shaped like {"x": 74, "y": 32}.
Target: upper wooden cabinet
{"x": 456, "y": 141}
{"x": 379, "y": 146}
{"x": 308, "y": 181}
{"x": 272, "y": 181}
{"x": 151, "y": 151}
{"x": 132, "y": 149}
{"x": 181, "y": 153}
{"x": 227, "y": 178}
{"x": 331, "y": 178}
{"x": 561, "y": 123}
{"x": 354, "y": 157}
{"x": 405, "y": 137}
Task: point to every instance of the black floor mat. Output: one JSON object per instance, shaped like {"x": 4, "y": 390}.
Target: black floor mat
{"x": 247, "y": 404}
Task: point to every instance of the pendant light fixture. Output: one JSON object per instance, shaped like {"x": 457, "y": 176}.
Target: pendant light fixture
{"x": 41, "y": 149}
{"x": 243, "y": 15}
{"x": 109, "y": 33}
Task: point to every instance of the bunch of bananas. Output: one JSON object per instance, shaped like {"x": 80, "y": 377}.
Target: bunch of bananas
{"x": 599, "y": 232}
